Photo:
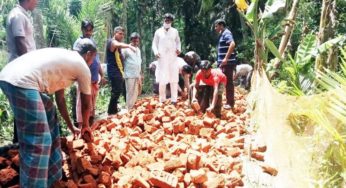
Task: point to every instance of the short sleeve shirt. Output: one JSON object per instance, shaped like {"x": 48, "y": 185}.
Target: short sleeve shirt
{"x": 132, "y": 63}
{"x": 48, "y": 70}
{"x": 216, "y": 77}
{"x": 19, "y": 24}
{"x": 224, "y": 41}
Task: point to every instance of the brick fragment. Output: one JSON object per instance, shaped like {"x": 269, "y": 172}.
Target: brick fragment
{"x": 104, "y": 178}
{"x": 140, "y": 182}
{"x": 198, "y": 176}
{"x": 269, "y": 170}
{"x": 163, "y": 179}
{"x": 7, "y": 175}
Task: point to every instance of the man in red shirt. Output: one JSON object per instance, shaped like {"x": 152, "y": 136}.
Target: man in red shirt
{"x": 215, "y": 82}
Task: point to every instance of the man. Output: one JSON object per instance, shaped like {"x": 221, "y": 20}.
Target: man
{"x": 115, "y": 67}
{"x": 185, "y": 75}
{"x": 20, "y": 36}
{"x": 243, "y": 75}
{"x": 166, "y": 47}
{"x": 226, "y": 59}
{"x": 132, "y": 71}
{"x": 209, "y": 96}
{"x": 19, "y": 29}
{"x": 26, "y": 81}
{"x": 193, "y": 59}
{"x": 87, "y": 28}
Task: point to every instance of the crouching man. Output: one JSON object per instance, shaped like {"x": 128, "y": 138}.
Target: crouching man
{"x": 209, "y": 96}
{"x": 26, "y": 82}
{"x": 243, "y": 76}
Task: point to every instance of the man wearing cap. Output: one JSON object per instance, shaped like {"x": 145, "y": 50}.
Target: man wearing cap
{"x": 209, "y": 96}
{"x": 26, "y": 82}
{"x": 226, "y": 59}
{"x": 132, "y": 71}
{"x": 166, "y": 46}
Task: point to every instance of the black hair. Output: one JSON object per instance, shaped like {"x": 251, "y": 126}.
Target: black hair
{"x": 84, "y": 45}
{"x": 87, "y": 23}
{"x": 134, "y": 35}
{"x": 205, "y": 64}
{"x": 118, "y": 28}
{"x": 169, "y": 16}
{"x": 187, "y": 69}
{"x": 220, "y": 22}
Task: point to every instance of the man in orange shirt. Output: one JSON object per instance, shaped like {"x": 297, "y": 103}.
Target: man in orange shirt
{"x": 209, "y": 96}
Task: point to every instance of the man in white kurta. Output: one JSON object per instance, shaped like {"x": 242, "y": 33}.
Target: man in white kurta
{"x": 166, "y": 46}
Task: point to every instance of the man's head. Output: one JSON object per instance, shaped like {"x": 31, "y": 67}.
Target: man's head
{"x": 205, "y": 68}
{"x": 28, "y": 4}
{"x": 186, "y": 70}
{"x": 87, "y": 28}
{"x": 87, "y": 49}
{"x": 119, "y": 33}
{"x": 219, "y": 25}
{"x": 168, "y": 19}
{"x": 135, "y": 38}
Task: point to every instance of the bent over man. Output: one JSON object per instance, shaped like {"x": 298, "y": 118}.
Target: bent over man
{"x": 209, "y": 96}
{"x": 26, "y": 82}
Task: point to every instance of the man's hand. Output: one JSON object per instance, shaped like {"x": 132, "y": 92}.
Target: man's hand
{"x": 87, "y": 135}
{"x": 103, "y": 81}
{"x": 223, "y": 62}
{"x": 132, "y": 48}
{"x": 210, "y": 109}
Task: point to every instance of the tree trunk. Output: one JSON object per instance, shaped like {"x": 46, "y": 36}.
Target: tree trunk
{"x": 38, "y": 28}
{"x": 123, "y": 21}
{"x": 326, "y": 32}
{"x": 286, "y": 37}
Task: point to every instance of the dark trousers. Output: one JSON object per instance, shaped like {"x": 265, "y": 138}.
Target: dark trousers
{"x": 117, "y": 84}
{"x": 228, "y": 70}
{"x": 204, "y": 97}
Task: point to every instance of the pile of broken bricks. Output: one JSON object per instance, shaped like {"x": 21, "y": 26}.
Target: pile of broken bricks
{"x": 157, "y": 145}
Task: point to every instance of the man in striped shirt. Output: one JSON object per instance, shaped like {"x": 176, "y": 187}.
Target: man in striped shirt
{"x": 226, "y": 59}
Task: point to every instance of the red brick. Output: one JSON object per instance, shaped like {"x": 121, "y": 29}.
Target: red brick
{"x": 198, "y": 176}
{"x": 104, "y": 178}
{"x": 90, "y": 179}
{"x": 163, "y": 179}
{"x": 7, "y": 175}
{"x": 140, "y": 182}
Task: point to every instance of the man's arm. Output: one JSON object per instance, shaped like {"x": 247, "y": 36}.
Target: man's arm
{"x": 178, "y": 44}
{"x": 20, "y": 45}
{"x": 61, "y": 103}
{"x": 115, "y": 44}
{"x": 154, "y": 45}
{"x": 215, "y": 96}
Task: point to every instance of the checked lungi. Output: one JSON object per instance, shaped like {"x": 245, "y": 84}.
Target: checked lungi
{"x": 38, "y": 136}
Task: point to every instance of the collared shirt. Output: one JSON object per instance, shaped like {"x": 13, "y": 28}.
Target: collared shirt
{"x": 19, "y": 24}
{"x": 132, "y": 63}
{"x": 225, "y": 40}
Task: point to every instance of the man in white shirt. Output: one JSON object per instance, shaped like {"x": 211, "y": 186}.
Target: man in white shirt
{"x": 19, "y": 29}
{"x": 26, "y": 81}
{"x": 166, "y": 46}
{"x": 132, "y": 71}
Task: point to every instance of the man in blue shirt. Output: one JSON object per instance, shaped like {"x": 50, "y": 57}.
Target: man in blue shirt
{"x": 226, "y": 58}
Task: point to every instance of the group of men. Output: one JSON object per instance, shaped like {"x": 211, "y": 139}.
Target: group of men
{"x": 31, "y": 76}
